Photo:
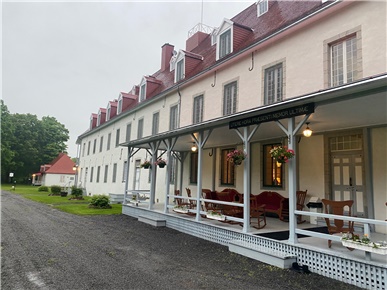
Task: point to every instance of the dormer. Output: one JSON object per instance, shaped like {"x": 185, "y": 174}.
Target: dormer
{"x": 125, "y": 101}
{"x": 262, "y": 7}
{"x": 93, "y": 121}
{"x": 111, "y": 110}
{"x": 149, "y": 86}
{"x": 229, "y": 37}
{"x": 185, "y": 64}
{"x": 101, "y": 116}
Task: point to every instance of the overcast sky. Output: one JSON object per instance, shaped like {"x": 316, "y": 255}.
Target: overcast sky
{"x": 68, "y": 59}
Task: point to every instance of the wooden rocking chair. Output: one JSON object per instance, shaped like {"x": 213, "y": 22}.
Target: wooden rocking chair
{"x": 300, "y": 195}
{"x": 336, "y": 226}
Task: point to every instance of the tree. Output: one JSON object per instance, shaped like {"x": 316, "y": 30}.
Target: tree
{"x": 28, "y": 142}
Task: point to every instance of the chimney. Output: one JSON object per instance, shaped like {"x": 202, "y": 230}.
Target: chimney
{"x": 166, "y": 54}
{"x": 195, "y": 40}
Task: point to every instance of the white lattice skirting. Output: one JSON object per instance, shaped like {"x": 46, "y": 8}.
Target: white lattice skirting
{"x": 361, "y": 273}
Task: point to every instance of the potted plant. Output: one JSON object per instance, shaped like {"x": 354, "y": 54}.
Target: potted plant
{"x": 236, "y": 156}
{"x": 146, "y": 164}
{"x": 180, "y": 208}
{"x": 364, "y": 243}
{"x": 282, "y": 154}
{"x": 161, "y": 162}
{"x": 215, "y": 215}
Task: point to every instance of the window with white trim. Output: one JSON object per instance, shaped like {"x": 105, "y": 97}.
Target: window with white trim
{"x": 119, "y": 105}
{"x": 343, "y": 55}
{"x": 179, "y": 72}
{"x": 140, "y": 128}
{"x": 88, "y": 148}
{"x": 230, "y": 98}
{"x": 94, "y": 146}
{"x": 117, "y": 137}
{"x": 101, "y": 144}
{"x": 125, "y": 171}
{"x": 108, "y": 141}
{"x": 114, "y": 177}
{"x": 98, "y": 173}
{"x": 155, "y": 123}
{"x": 91, "y": 174}
{"x": 273, "y": 84}
{"x": 107, "y": 117}
{"x": 105, "y": 177}
{"x": 227, "y": 169}
{"x": 142, "y": 92}
{"x": 173, "y": 118}
{"x": 99, "y": 118}
{"x": 83, "y": 149}
{"x": 271, "y": 170}
{"x": 128, "y": 131}
{"x": 197, "y": 109}
{"x": 262, "y": 7}
{"x": 225, "y": 43}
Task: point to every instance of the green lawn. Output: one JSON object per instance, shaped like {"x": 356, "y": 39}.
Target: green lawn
{"x": 78, "y": 207}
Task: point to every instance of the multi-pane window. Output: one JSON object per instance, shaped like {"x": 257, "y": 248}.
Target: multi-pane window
{"x": 119, "y": 106}
{"x": 173, "y": 119}
{"x": 197, "y": 110}
{"x": 101, "y": 144}
{"x": 272, "y": 171}
{"x": 128, "y": 131}
{"x": 262, "y": 7}
{"x": 125, "y": 171}
{"x": 105, "y": 177}
{"x": 114, "y": 177}
{"x": 98, "y": 172}
{"x": 343, "y": 57}
{"x": 140, "y": 128}
{"x": 230, "y": 98}
{"x": 155, "y": 123}
{"x": 99, "y": 118}
{"x": 273, "y": 84}
{"x": 88, "y": 148}
{"x": 91, "y": 174}
{"x": 193, "y": 176}
{"x": 225, "y": 43}
{"x": 108, "y": 113}
{"x": 108, "y": 141}
{"x": 83, "y": 149}
{"x": 117, "y": 137}
{"x": 94, "y": 145}
{"x": 142, "y": 92}
{"x": 227, "y": 169}
{"x": 180, "y": 70}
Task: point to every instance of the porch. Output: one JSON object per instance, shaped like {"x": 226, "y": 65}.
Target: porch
{"x": 336, "y": 262}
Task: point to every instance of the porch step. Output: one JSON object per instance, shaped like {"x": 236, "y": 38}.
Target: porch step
{"x": 152, "y": 221}
{"x": 266, "y": 255}
{"x": 116, "y": 198}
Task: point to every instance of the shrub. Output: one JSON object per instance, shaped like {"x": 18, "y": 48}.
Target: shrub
{"x": 43, "y": 188}
{"x": 76, "y": 191}
{"x": 100, "y": 201}
{"x": 56, "y": 189}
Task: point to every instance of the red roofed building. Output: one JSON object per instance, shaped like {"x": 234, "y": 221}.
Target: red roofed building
{"x": 59, "y": 172}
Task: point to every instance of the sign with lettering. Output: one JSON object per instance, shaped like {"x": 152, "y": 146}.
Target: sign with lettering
{"x": 273, "y": 116}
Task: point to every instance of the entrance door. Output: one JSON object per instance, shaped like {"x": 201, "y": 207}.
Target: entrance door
{"x": 137, "y": 170}
{"x": 348, "y": 180}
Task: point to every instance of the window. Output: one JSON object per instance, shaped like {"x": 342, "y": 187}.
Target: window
{"x": 225, "y": 43}
{"x": 155, "y": 123}
{"x": 142, "y": 92}
{"x": 173, "y": 121}
{"x": 88, "y": 148}
{"x": 114, "y": 178}
{"x": 128, "y": 131}
{"x": 62, "y": 178}
{"x": 83, "y": 149}
{"x": 343, "y": 61}
{"x": 101, "y": 144}
{"x": 119, "y": 106}
{"x": 125, "y": 171}
{"x": 273, "y": 84}
{"x": 262, "y": 7}
{"x": 179, "y": 70}
{"x": 91, "y": 174}
{"x": 98, "y": 172}
{"x": 117, "y": 137}
{"x": 198, "y": 110}
{"x": 227, "y": 168}
{"x": 272, "y": 172}
{"x": 108, "y": 141}
{"x": 94, "y": 145}
{"x": 140, "y": 128}
{"x": 99, "y": 118}
{"x": 193, "y": 176}
{"x": 105, "y": 177}
{"x": 230, "y": 96}
{"x": 107, "y": 117}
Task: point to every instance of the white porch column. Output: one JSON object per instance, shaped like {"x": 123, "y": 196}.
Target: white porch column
{"x": 169, "y": 143}
{"x": 292, "y": 176}
{"x": 130, "y": 150}
{"x": 153, "y": 148}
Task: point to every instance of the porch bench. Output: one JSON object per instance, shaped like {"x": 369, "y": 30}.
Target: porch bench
{"x": 273, "y": 201}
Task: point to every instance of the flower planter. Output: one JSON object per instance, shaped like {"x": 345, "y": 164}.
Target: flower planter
{"x": 218, "y": 217}
{"x": 146, "y": 167}
{"x": 364, "y": 247}
{"x": 161, "y": 165}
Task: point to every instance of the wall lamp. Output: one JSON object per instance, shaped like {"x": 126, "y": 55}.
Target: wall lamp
{"x": 194, "y": 148}
{"x": 307, "y": 132}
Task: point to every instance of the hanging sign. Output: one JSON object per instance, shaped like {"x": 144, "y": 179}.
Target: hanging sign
{"x": 273, "y": 116}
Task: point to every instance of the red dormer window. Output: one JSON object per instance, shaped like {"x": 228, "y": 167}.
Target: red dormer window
{"x": 142, "y": 91}
{"x": 119, "y": 105}
{"x": 262, "y": 7}
{"x": 179, "y": 72}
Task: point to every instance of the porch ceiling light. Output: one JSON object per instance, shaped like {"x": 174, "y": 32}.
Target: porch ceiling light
{"x": 307, "y": 132}
{"x": 194, "y": 148}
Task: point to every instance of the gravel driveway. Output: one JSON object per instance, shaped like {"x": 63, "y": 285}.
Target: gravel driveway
{"x": 43, "y": 248}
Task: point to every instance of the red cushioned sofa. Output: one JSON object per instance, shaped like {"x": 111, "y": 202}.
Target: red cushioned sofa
{"x": 273, "y": 201}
